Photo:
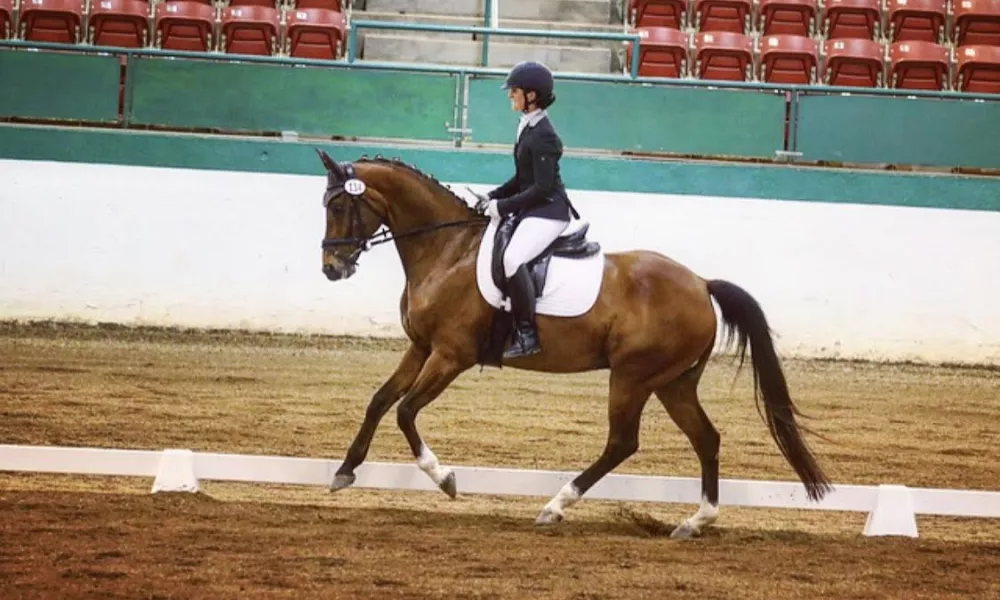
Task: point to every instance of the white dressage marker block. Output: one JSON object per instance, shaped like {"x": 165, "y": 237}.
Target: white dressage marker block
{"x": 893, "y": 513}
{"x": 176, "y": 472}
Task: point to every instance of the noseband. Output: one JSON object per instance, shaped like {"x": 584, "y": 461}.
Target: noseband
{"x": 355, "y": 190}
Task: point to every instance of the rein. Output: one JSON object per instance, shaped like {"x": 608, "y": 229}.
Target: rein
{"x": 386, "y": 235}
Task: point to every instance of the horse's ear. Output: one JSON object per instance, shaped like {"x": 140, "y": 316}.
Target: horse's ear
{"x": 330, "y": 164}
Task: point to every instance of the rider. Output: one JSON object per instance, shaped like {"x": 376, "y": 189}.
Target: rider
{"x": 534, "y": 195}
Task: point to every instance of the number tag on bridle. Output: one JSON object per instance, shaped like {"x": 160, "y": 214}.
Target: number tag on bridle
{"x": 354, "y": 187}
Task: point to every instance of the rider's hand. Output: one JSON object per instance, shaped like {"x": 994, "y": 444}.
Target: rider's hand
{"x": 488, "y": 207}
{"x": 491, "y": 210}
{"x": 481, "y": 201}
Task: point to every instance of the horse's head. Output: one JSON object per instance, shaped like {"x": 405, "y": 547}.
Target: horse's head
{"x": 351, "y": 218}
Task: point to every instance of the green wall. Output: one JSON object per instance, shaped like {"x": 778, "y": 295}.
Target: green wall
{"x": 274, "y": 98}
{"x": 642, "y": 118}
{"x": 491, "y": 167}
{"x": 870, "y": 129}
{"x": 430, "y": 107}
{"x": 59, "y": 86}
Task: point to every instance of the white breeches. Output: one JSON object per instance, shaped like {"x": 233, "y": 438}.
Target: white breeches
{"x": 533, "y": 234}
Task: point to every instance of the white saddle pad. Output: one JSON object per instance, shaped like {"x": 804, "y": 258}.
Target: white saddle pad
{"x": 571, "y": 286}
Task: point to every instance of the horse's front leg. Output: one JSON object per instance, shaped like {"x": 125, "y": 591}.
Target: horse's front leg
{"x": 438, "y": 373}
{"x": 387, "y": 395}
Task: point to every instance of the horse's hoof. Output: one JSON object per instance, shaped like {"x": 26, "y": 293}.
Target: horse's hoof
{"x": 683, "y": 532}
{"x": 548, "y": 517}
{"x": 449, "y": 486}
{"x": 342, "y": 481}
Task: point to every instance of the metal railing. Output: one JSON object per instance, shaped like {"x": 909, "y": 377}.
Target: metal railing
{"x": 352, "y": 36}
{"x": 462, "y": 71}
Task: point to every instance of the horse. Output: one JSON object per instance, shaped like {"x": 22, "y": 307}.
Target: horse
{"x": 653, "y": 326}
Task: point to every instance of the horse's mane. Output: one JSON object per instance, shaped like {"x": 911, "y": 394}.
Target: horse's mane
{"x": 395, "y": 162}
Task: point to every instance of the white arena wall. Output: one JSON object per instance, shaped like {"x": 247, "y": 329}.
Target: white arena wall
{"x": 195, "y": 248}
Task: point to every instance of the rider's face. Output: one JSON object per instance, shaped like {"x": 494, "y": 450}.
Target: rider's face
{"x": 516, "y": 96}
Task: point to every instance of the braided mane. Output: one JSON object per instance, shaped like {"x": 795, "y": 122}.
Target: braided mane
{"x": 395, "y": 162}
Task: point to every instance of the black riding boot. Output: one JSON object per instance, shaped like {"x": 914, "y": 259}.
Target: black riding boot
{"x": 522, "y": 295}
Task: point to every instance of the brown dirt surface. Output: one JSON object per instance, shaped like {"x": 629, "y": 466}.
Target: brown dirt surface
{"x": 139, "y": 388}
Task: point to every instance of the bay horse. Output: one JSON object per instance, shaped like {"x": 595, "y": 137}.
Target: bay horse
{"x": 653, "y": 326}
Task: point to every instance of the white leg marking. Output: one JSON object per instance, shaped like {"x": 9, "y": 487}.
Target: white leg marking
{"x": 553, "y": 511}
{"x": 429, "y": 464}
{"x": 706, "y": 515}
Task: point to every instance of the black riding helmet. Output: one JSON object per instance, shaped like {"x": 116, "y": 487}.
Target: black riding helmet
{"x": 532, "y": 76}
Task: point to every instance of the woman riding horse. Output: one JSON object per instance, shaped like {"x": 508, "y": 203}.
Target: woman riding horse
{"x": 534, "y": 196}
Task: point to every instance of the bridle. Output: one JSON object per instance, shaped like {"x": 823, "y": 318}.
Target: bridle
{"x": 355, "y": 190}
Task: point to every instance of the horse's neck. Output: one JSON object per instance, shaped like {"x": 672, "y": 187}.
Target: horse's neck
{"x": 413, "y": 215}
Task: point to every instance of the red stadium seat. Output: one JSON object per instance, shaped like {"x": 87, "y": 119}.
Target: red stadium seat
{"x": 723, "y": 56}
{"x": 249, "y": 30}
{"x": 790, "y": 17}
{"x": 658, "y": 13}
{"x": 663, "y": 52}
{"x": 185, "y": 25}
{"x": 6, "y": 19}
{"x": 268, "y": 3}
{"x": 334, "y": 5}
{"x": 853, "y": 62}
{"x": 789, "y": 59}
{"x": 122, "y": 23}
{"x": 976, "y": 22}
{"x": 978, "y": 69}
{"x": 722, "y": 15}
{"x": 922, "y": 20}
{"x": 315, "y": 33}
{"x": 918, "y": 65}
{"x": 52, "y": 21}
{"x": 852, "y": 19}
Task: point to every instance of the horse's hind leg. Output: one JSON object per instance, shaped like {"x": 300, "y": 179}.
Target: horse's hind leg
{"x": 680, "y": 398}
{"x": 627, "y": 399}
{"x": 437, "y": 374}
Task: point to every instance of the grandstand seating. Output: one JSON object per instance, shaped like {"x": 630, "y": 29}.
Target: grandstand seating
{"x": 905, "y": 44}
{"x": 57, "y": 21}
{"x": 121, "y": 23}
{"x": 789, "y": 17}
{"x": 185, "y": 25}
{"x": 978, "y": 69}
{"x": 922, "y": 20}
{"x": 722, "y": 15}
{"x": 266, "y": 3}
{"x": 6, "y": 19}
{"x": 333, "y": 5}
{"x": 852, "y": 19}
{"x": 663, "y": 52}
{"x": 658, "y": 13}
{"x": 853, "y": 62}
{"x": 976, "y": 22}
{"x": 723, "y": 56}
{"x": 918, "y": 65}
{"x": 249, "y": 30}
{"x": 789, "y": 59}
{"x": 315, "y": 33}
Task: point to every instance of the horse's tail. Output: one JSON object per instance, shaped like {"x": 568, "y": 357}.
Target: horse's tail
{"x": 744, "y": 320}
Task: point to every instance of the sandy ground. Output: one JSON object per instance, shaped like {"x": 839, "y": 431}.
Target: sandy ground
{"x": 70, "y": 536}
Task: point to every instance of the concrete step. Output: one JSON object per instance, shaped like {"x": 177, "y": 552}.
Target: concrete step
{"x": 436, "y": 50}
{"x": 461, "y": 21}
{"x": 567, "y": 11}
